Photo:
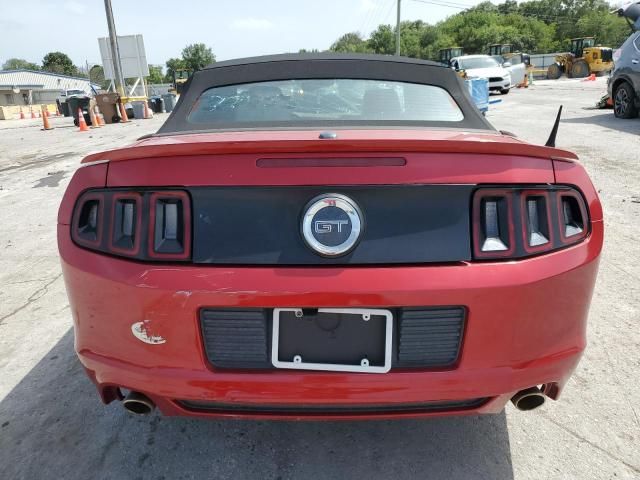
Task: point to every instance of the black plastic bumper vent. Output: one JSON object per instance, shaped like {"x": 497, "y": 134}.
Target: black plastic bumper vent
{"x": 429, "y": 337}
{"x": 235, "y": 338}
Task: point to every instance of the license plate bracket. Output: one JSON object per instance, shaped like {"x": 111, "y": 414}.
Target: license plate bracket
{"x": 332, "y": 339}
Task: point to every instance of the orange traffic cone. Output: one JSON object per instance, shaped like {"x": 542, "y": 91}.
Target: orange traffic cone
{"x": 21, "y": 114}
{"x": 46, "y": 112}
{"x": 123, "y": 114}
{"x": 33, "y": 115}
{"x": 81, "y": 123}
{"x": 146, "y": 110}
{"x": 45, "y": 120}
{"x": 590, "y": 78}
{"x": 94, "y": 121}
{"x": 99, "y": 117}
{"x": 57, "y": 111}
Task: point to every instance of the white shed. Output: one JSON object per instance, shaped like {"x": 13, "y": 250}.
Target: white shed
{"x": 27, "y": 87}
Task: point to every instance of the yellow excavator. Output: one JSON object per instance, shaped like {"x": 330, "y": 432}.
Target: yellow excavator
{"x": 582, "y": 60}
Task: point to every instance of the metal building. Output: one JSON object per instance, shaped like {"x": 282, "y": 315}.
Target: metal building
{"x": 30, "y": 87}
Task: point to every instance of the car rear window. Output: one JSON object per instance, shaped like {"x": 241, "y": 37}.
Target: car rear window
{"x": 304, "y": 101}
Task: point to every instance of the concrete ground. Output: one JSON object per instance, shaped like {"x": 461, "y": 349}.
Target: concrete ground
{"x": 52, "y": 423}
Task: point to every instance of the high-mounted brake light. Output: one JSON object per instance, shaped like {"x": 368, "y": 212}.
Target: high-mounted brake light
{"x": 549, "y": 218}
{"x": 145, "y": 225}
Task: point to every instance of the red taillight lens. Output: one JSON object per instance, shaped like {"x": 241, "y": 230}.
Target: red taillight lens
{"x": 88, "y": 219}
{"x": 145, "y": 225}
{"x": 547, "y": 219}
{"x": 493, "y": 230}
{"x": 170, "y": 226}
{"x": 572, "y": 214}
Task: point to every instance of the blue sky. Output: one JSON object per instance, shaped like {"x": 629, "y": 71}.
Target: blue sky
{"x": 233, "y": 28}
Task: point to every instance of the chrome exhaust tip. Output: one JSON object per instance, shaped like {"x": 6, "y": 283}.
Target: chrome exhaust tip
{"x": 138, "y": 403}
{"x": 528, "y": 399}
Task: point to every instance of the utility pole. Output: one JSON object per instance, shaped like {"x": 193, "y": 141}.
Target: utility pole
{"x": 115, "y": 51}
{"x": 398, "y": 31}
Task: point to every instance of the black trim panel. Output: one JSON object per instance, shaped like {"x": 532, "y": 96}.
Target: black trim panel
{"x": 403, "y": 224}
{"x": 346, "y": 410}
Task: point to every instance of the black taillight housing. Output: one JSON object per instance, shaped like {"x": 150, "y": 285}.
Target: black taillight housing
{"x": 147, "y": 225}
{"x": 517, "y": 222}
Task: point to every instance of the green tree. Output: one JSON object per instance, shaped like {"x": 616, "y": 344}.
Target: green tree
{"x": 58, "y": 62}
{"x": 172, "y": 65}
{"x": 382, "y": 40}
{"x": 18, "y": 64}
{"x": 197, "y": 56}
{"x": 96, "y": 74}
{"x": 155, "y": 74}
{"x": 350, "y": 43}
{"x": 411, "y": 34}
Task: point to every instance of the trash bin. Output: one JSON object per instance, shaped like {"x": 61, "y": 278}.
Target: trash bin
{"x": 169, "y": 101}
{"x": 156, "y": 104}
{"x": 108, "y": 105}
{"x": 80, "y": 102}
{"x": 138, "y": 109}
{"x": 63, "y": 107}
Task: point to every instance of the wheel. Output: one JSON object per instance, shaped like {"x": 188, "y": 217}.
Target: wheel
{"x": 579, "y": 69}
{"x": 624, "y": 101}
{"x": 554, "y": 71}
{"x": 504, "y": 91}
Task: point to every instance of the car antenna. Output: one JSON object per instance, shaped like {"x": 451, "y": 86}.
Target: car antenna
{"x": 551, "y": 142}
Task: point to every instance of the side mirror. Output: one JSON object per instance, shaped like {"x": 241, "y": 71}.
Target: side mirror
{"x": 506, "y": 64}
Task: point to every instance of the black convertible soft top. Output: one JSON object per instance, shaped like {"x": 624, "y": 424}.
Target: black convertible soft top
{"x": 324, "y": 66}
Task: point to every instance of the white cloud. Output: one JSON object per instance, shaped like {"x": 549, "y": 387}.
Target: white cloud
{"x": 251, "y": 23}
{"x": 75, "y": 7}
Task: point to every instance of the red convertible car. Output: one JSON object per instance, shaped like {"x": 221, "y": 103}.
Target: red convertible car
{"x": 329, "y": 237}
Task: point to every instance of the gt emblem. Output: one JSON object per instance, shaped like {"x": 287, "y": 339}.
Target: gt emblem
{"x": 331, "y": 225}
{"x": 328, "y": 226}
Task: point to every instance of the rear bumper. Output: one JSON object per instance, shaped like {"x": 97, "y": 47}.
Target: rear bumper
{"x": 525, "y": 326}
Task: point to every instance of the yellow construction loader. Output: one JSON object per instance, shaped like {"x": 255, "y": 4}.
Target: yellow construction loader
{"x": 180, "y": 77}
{"x": 582, "y": 60}
{"x": 446, "y": 54}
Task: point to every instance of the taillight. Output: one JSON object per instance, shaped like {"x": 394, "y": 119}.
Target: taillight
{"x": 170, "y": 229}
{"x": 520, "y": 222}
{"x": 145, "y": 225}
